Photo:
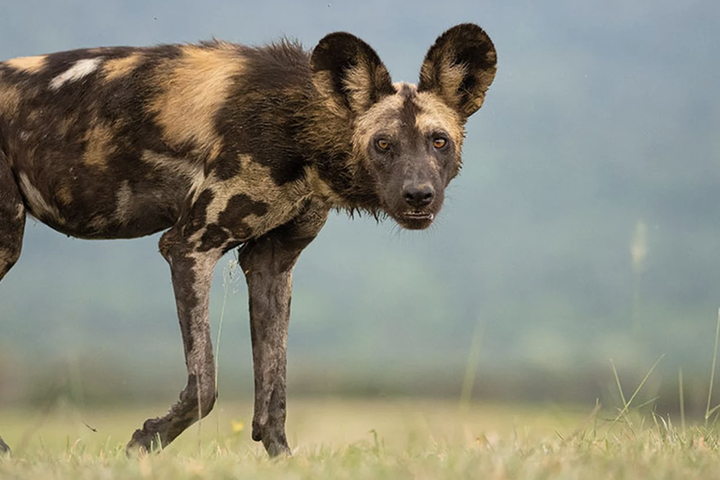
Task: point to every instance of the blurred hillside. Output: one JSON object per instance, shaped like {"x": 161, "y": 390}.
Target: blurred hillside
{"x": 602, "y": 124}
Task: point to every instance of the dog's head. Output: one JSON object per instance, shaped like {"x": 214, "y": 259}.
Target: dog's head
{"x": 407, "y": 138}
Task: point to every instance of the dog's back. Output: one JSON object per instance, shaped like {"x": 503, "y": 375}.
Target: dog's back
{"x": 112, "y": 142}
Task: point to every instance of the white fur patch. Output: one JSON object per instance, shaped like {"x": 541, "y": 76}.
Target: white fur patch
{"x": 81, "y": 68}
{"x": 36, "y": 202}
{"x": 192, "y": 171}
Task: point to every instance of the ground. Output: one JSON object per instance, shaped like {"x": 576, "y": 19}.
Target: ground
{"x": 383, "y": 438}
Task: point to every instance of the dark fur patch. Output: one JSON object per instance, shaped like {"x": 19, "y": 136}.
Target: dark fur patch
{"x": 260, "y": 118}
{"x": 198, "y": 215}
{"x": 214, "y": 237}
{"x": 238, "y": 208}
{"x": 408, "y": 116}
{"x": 225, "y": 166}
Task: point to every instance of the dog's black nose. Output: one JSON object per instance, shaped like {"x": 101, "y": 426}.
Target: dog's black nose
{"x": 419, "y": 196}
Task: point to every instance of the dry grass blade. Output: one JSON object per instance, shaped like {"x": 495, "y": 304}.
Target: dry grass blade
{"x": 708, "y": 410}
{"x": 627, "y": 404}
{"x": 682, "y": 400}
{"x": 471, "y": 367}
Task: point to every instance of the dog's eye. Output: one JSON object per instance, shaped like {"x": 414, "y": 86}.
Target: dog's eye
{"x": 382, "y": 144}
{"x": 439, "y": 142}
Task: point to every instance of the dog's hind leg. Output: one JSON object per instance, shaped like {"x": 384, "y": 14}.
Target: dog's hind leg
{"x": 12, "y": 219}
{"x": 12, "y": 224}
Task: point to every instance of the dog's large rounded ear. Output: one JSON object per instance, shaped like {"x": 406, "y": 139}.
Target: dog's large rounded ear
{"x": 460, "y": 67}
{"x": 349, "y": 72}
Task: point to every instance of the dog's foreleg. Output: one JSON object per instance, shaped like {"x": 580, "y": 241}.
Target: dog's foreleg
{"x": 267, "y": 263}
{"x": 191, "y": 278}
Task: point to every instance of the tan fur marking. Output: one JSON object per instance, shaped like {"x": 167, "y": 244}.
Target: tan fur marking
{"x": 64, "y": 194}
{"x": 382, "y": 113}
{"x": 357, "y": 83}
{"x": 120, "y": 67}
{"x": 436, "y": 115}
{"x": 9, "y": 100}
{"x": 331, "y": 99}
{"x": 65, "y": 126}
{"x": 451, "y": 77}
{"x": 99, "y": 146}
{"x": 28, "y": 64}
{"x": 195, "y": 87}
{"x": 34, "y": 116}
{"x": 124, "y": 202}
{"x": 320, "y": 188}
{"x": 98, "y": 223}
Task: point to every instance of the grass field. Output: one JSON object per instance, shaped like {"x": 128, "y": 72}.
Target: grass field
{"x": 386, "y": 439}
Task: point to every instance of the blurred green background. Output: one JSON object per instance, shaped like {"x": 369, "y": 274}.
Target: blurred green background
{"x": 585, "y": 225}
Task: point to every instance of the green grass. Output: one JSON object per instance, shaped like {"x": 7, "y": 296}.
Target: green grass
{"x": 386, "y": 439}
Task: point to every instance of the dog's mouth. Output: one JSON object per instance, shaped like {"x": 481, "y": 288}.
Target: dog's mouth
{"x": 413, "y": 215}
{"x": 416, "y": 220}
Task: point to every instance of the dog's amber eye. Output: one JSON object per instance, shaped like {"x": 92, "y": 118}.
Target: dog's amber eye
{"x": 439, "y": 142}
{"x": 383, "y": 144}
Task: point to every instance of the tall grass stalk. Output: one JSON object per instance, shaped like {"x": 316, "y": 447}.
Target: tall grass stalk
{"x": 638, "y": 255}
{"x": 228, "y": 279}
{"x": 682, "y": 400}
{"x": 708, "y": 410}
{"x": 626, "y": 404}
{"x": 471, "y": 367}
{"x": 228, "y": 274}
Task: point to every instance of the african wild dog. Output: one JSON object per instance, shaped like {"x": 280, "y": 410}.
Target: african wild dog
{"x": 228, "y": 146}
